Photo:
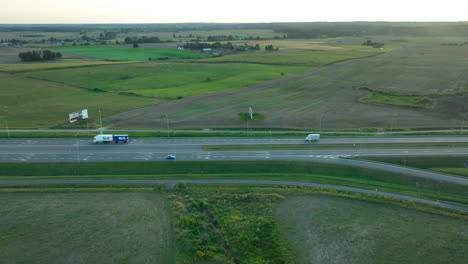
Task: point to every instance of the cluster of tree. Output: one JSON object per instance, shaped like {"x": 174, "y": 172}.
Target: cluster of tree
{"x": 338, "y": 29}
{"x": 13, "y": 41}
{"x": 144, "y": 39}
{"x": 31, "y": 36}
{"x": 107, "y": 35}
{"x": 220, "y": 38}
{"x": 454, "y": 44}
{"x": 372, "y": 44}
{"x": 220, "y": 46}
{"x": 37, "y": 55}
{"x": 271, "y": 48}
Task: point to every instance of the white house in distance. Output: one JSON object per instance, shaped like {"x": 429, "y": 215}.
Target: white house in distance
{"x": 180, "y": 48}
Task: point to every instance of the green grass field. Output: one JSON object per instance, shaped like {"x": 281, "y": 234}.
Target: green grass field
{"x": 36, "y": 103}
{"x": 300, "y": 57}
{"x": 127, "y": 54}
{"x": 329, "y": 95}
{"x": 167, "y": 79}
{"x": 85, "y": 228}
{"x": 326, "y": 229}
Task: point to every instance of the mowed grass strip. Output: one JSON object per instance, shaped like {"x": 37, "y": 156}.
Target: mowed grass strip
{"x": 458, "y": 171}
{"x": 36, "y": 103}
{"x": 167, "y": 79}
{"x": 342, "y": 180}
{"x": 276, "y": 170}
{"x": 449, "y": 164}
{"x": 325, "y": 229}
{"x": 85, "y": 228}
{"x": 128, "y": 54}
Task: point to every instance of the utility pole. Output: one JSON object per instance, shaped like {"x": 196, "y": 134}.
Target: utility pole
{"x": 463, "y": 123}
{"x": 77, "y": 147}
{"x": 100, "y": 119}
{"x": 6, "y": 125}
{"x": 167, "y": 123}
{"x": 320, "y": 126}
{"x": 8, "y": 129}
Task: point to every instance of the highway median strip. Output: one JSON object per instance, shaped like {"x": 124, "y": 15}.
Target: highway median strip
{"x": 323, "y": 173}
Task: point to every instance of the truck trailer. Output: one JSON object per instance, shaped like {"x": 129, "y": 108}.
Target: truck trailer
{"x": 312, "y": 137}
{"x": 109, "y": 138}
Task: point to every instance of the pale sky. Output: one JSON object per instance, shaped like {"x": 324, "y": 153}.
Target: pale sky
{"x": 175, "y": 11}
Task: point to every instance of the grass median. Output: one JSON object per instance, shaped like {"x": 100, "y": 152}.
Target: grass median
{"x": 241, "y": 170}
{"x": 448, "y": 164}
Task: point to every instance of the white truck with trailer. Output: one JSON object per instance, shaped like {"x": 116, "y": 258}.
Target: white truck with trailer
{"x": 312, "y": 137}
{"x": 109, "y": 138}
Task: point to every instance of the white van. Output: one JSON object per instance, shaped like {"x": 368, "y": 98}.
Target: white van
{"x": 312, "y": 137}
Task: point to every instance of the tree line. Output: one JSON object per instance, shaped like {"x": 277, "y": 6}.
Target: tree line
{"x": 38, "y": 55}
{"x": 372, "y": 44}
{"x": 143, "y": 39}
{"x": 220, "y": 46}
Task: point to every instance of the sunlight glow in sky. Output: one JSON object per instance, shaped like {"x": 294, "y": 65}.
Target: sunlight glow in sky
{"x": 175, "y": 11}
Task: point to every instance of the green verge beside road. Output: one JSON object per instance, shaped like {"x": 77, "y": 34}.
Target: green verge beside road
{"x": 449, "y": 164}
{"x": 258, "y": 170}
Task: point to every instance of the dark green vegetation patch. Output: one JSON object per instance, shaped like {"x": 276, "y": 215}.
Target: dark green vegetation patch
{"x": 396, "y": 99}
{"x": 228, "y": 227}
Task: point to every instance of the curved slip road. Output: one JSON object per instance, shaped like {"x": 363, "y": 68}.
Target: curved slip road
{"x": 171, "y": 183}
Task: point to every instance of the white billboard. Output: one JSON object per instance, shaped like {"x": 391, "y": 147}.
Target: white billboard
{"x": 83, "y": 114}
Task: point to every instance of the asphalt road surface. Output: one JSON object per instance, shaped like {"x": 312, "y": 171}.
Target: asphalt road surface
{"x": 71, "y": 150}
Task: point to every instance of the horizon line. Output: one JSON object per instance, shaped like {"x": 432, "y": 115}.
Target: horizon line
{"x": 138, "y": 23}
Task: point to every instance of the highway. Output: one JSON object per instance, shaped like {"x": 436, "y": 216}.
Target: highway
{"x": 156, "y": 149}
